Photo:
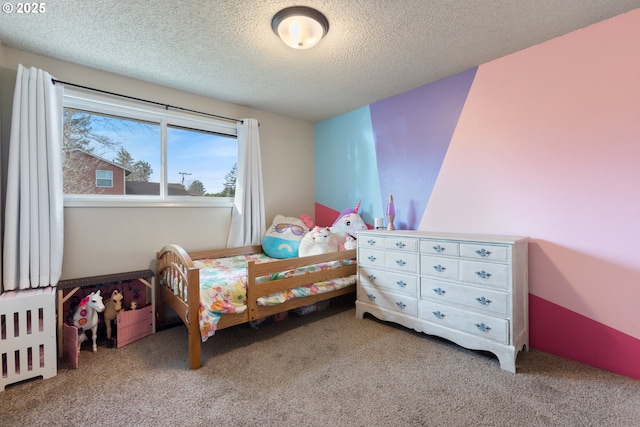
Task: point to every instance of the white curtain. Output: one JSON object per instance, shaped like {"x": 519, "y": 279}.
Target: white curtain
{"x": 248, "y": 215}
{"x": 34, "y": 222}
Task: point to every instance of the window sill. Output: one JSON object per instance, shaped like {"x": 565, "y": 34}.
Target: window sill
{"x": 146, "y": 202}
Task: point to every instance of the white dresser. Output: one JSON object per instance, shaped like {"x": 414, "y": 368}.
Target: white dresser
{"x": 469, "y": 289}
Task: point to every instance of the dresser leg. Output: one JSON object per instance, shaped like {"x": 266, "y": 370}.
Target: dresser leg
{"x": 508, "y": 360}
{"x": 359, "y": 311}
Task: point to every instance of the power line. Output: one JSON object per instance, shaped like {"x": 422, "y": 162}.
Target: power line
{"x": 183, "y": 174}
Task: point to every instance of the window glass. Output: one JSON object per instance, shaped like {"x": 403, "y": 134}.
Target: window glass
{"x": 190, "y": 170}
{"x": 115, "y": 148}
{"x": 124, "y": 148}
{"x": 104, "y": 178}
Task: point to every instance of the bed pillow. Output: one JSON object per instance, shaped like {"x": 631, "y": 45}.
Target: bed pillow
{"x": 282, "y": 238}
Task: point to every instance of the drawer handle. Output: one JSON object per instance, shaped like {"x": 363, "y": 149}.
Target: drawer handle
{"x": 401, "y": 305}
{"x": 371, "y": 296}
{"x": 371, "y": 242}
{"x": 483, "y": 252}
{"x": 483, "y": 327}
{"x": 401, "y": 263}
{"x": 483, "y": 301}
{"x": 439, "y": 268}
{"x": 483, "y": 274}
{"x": 372, "y": 277}
{"x": 438, "y": 314}
{"x": 439, "y": 248}
{"x": 439, "y": 291}
{"x": 401, "y": 283}
{"x": 400, "y": 245}
{"x": 371, "y": 258}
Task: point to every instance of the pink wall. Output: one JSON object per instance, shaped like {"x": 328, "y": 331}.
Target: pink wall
{"x": 548, "y": 146}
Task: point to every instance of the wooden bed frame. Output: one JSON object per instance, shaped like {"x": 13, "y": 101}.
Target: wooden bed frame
{"x": 184, "y": 297}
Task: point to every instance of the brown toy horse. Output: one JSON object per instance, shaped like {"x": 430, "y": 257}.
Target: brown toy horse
{"x": 111, "y": 309}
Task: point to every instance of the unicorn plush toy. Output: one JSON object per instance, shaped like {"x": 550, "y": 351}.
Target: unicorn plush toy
{"x": 347, "y": 224}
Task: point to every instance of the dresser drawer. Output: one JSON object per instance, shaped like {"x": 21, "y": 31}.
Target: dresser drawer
{"x": 485, "y": 274}
{"x": 482, "y": 251}
{"x": 401, "y": 244}
{"x": 479, "y": 299}
{"x": 389, "y": 300}
{"x": 371, "y": 257}
{"x": 489, "y": 327}
{"x": 392, "y": 281}
{"x": 439, "y": 247}
{"x": 369, "y": 241}
{"x": 401, "y": 261}
{"x": 443, "y": 268}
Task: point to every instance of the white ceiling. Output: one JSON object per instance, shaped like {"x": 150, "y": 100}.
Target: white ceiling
{"x": 226, "y": 49}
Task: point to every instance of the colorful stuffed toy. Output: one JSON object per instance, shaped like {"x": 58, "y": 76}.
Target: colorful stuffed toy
{"x": 318, "y": 241}
{"x": 282, "y": 238}
{"x": 347, "y": 224}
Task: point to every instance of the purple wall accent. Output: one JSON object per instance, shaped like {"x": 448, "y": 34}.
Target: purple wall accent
{"x": 416, "y": 125}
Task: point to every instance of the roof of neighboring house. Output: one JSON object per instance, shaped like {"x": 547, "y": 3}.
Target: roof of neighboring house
{"x": 153, "y": 188}
{"x": 79, "y": 150}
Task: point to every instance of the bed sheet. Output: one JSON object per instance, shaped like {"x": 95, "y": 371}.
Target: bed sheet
{"x": 223, "y": 284}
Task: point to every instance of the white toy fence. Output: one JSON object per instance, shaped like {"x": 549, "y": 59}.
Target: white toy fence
{"x": 27, "y": 335}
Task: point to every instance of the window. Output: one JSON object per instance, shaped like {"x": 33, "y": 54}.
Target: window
{"x": 116, "y": 150}
{"x": 104, "y": 179}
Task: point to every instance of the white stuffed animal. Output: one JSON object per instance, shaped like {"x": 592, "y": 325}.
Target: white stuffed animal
{"x": 320, "y": 240}
{"x": 349, "y": 243}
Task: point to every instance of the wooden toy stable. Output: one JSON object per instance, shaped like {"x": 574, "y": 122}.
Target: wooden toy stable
{"x": 132, "y": 324}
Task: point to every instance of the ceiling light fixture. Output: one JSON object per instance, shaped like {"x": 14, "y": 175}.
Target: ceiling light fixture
{"x": 299, "y": 26}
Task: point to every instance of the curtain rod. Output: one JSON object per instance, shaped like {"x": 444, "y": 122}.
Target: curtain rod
{"x": 166, "y": 106}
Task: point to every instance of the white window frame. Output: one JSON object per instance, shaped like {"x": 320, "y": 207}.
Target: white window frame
{"x": 122, "y": 107}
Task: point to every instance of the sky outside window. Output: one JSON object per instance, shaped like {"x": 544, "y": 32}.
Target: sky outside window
{"x": 191, "y": 154}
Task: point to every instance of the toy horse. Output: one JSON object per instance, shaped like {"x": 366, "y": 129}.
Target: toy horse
{"x": 111, "y": 309}
{"x": 86, "y": 317}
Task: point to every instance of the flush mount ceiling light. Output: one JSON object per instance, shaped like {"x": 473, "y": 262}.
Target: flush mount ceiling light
{"x": 300, "y": 27}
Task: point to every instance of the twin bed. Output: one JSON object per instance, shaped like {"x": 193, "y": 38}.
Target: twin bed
{"x": 216, "y": 289}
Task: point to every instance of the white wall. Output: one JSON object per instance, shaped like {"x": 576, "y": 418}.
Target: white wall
{"x": 111, "y": 240}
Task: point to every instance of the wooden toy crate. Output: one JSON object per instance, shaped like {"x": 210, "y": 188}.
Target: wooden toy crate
{"x": 27, "y": 335}
{"x": 134, "y": 324}
{"x": 131, "y": 326}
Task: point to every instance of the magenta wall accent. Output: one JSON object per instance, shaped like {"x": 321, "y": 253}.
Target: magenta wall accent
{"x": 591, "y": 342}
{"x": 416, "y": 125}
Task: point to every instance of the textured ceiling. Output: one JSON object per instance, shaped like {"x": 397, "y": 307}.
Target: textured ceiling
{"x": 226, "y": 49}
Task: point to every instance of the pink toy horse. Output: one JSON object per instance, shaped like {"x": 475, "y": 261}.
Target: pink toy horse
{"x": 86, "y": 317}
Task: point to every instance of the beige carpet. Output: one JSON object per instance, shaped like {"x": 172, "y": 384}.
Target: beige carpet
{"x": 326, "y": 369}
